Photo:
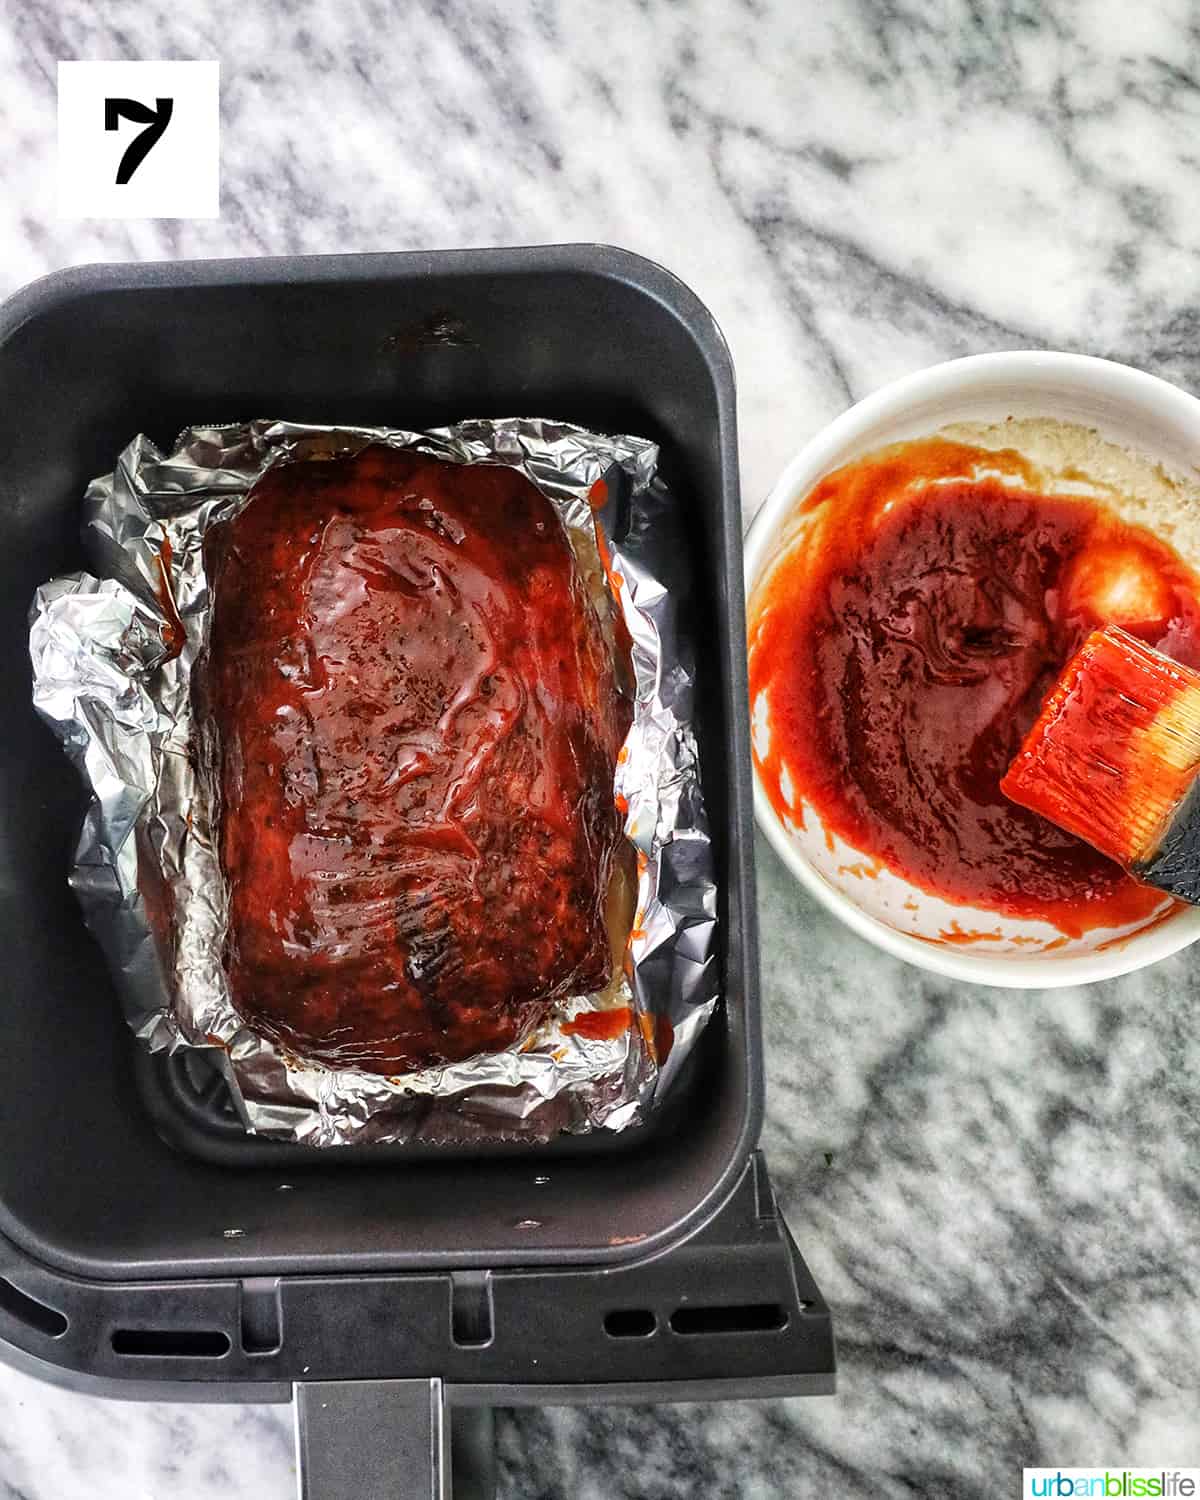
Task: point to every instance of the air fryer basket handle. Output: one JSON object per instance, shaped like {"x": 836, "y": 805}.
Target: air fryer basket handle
{"x": 372, "y": 1440}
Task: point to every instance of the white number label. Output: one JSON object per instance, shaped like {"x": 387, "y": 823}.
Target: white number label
{"x": 139, "y": 140}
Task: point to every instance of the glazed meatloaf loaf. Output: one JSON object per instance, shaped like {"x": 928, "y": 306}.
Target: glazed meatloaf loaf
{"x": 413, "y": 711}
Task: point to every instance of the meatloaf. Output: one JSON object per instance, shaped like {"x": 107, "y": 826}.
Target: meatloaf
{"x": 412, "y": 713}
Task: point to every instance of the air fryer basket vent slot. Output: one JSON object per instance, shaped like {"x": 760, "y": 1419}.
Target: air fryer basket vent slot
{"x": 29, "y": 1311}
{"x": 171, "y": 1343}
{"x": 745, "y": 1317}
{"x": 471, "y": 1317}
{"x": 262, "y": 1316}
{"x": 630, "y": 1323}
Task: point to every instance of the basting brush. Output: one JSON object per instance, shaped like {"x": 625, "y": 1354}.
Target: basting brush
{"x": 1114, "y": 758}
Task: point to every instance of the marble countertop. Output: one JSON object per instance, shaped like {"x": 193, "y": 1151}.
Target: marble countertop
{"x": 996, "y": 1191}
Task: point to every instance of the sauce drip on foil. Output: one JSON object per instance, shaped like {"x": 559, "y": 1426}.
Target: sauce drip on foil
{"x": 600, "y": 1025}
{"x": 903, "y": 652}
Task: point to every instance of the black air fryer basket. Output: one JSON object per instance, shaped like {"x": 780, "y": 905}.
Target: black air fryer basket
{"x": 148, "y": 1247}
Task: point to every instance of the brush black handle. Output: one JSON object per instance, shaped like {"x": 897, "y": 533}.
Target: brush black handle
{"x": 1175, "y": 865}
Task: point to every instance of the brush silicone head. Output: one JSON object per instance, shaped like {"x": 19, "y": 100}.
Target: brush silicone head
{"x": 1115, "y": 748}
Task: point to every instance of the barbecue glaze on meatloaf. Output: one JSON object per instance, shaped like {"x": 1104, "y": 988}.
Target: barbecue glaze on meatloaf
{"x": 415, "y": 716}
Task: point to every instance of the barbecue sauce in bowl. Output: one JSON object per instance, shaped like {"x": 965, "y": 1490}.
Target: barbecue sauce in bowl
{"x": 902, "y": 645}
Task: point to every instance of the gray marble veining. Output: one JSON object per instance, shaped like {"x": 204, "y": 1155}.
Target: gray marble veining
{"x": 997, "y": 1191}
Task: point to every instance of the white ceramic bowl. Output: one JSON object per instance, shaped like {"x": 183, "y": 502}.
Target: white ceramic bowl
{"x": 1125, "y": 406}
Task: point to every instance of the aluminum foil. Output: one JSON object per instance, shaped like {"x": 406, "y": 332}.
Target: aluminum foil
{"x": 110, "y": 681}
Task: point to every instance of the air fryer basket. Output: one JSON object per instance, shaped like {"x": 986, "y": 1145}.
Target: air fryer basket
{"x": 143, "y": 1244}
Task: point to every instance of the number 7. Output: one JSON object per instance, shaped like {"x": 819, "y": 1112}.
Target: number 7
{"x": 155, "y": 121}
